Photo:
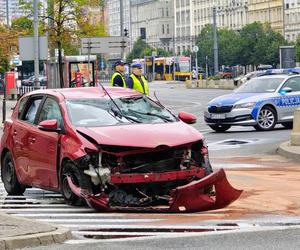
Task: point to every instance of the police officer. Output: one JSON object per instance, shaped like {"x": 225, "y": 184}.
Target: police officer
{"x": 136, "y": 80}
{"x": 117, "y": 79}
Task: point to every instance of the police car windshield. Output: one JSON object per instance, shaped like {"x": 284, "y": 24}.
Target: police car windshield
{"x": 260, "y": 85}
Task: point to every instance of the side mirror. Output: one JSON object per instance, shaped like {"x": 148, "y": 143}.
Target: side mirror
{"x": 187, "y": 117}
{"x": 285, "y": 90}
{"x": 49, "y": 125}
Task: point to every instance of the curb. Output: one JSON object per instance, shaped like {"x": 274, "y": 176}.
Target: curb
{"x": 34, "y": 240}
{"x": 292, "y": 152}
{"x": 50, "y": 234}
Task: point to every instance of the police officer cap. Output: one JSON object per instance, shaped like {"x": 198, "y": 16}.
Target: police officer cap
{"x": 119, "y": 62}
{"x": 136, "y": 65}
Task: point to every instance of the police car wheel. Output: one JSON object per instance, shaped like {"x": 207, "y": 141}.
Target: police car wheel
{"x": 266, "y": 120}
{"x": 219, "y": 128}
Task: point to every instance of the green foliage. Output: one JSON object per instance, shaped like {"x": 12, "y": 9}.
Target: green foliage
{"x": 255, "y": 44}
{"x": 22, "y": 24}
{"x": 297, "y": 45}
{"x": 141, "y": 49}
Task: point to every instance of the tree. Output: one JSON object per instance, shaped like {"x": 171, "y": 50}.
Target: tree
{"x": 8, "y": 41}
{"x": 141, "y": 49}
{"x": 255, "y": 44}
{"x": 64, "y": 20}
{"x": 297, "y": 48}
{"x": 22, "y": 24}
{"x": 260, "y": 44}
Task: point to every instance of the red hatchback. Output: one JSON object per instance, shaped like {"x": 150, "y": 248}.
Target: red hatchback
{"x": 113, "y": 148}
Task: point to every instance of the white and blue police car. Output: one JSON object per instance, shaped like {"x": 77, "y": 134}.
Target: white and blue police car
{"x": 261, "y": 102}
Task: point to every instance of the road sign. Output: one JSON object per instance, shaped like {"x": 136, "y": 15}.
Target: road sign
{"x": 195, "y": 49}
{"x": 26, "y": 48}
{"x": 103, "y": 45}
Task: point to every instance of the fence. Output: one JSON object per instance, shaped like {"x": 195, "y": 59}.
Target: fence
{"x": 25, "y": 89}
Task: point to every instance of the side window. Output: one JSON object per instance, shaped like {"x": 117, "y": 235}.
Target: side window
{"x": 50, "y": 111}
{"x": 30, "y": 115}
{"x": 22, "y": 106}
{"x": 293, "y": 83}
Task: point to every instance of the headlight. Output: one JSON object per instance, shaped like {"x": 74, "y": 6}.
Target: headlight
{"x": 247, "y": 105}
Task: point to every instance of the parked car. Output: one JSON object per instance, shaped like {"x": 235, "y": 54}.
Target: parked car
{"x": 114, "y": 148}
{"x": 30, "y": 81}
{"x": 227, "y": 73}
{"x": 261, "y": 102}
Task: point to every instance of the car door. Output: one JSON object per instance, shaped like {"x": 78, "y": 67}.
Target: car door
{"x": 21, "y": 129}
{"x": 290, "y": 101}
{"x": 44, "y": 147}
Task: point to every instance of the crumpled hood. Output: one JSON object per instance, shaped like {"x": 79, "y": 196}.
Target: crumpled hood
{"x": 234, "y": 98}
{"x": 143, "y": 135}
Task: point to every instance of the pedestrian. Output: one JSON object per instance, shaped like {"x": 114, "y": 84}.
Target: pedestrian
{"x": 117, "y": 79}
{"x": 137, "y": 80}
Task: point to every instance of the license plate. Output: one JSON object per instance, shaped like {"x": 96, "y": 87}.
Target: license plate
{"x": 218, "y": 116}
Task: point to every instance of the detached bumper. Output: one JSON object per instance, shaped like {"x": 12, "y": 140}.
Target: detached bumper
{"x": 188, "y": 198}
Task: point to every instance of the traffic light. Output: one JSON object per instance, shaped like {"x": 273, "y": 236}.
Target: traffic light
{"x": 126, "y": 32}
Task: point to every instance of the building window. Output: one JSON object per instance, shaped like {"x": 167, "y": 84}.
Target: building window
{"x": 163, "y": 29}
{"x": 168, "y": 29}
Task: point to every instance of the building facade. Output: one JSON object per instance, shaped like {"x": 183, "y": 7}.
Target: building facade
{"x": 114, "y": 16}
{"x": 191, "y": 16}
{"x": 292, "y": 19}
{"x": 14, "y": 10}
{"x": 267, "y": 11}
{"x": 153, "y": 21}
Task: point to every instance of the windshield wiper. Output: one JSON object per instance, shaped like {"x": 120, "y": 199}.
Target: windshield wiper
{"x": 151, "y": 114}
{"x": 121, "y": 115}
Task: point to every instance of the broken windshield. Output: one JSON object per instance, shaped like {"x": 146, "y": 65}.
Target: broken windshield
{"x": 103, "y": 112}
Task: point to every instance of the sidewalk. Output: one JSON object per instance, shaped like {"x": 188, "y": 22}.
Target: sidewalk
{"x": 20, "y": 233}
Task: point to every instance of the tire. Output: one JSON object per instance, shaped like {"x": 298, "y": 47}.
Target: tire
{"x": 78, "y": 178}
{"x": 9, "y": 176}
{"x": 267, "y": 119}
{"x": 288, "y": 125}
{"x": 220, "y": 128}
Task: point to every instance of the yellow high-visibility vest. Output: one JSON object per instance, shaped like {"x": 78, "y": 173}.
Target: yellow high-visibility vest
{"x": 138, "y": 86}
{"x": 113, "y": 78}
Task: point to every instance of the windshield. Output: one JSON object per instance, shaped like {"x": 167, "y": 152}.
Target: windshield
{"x": 260, "y": 85}
{"x": 102, "y": 112}
{"x": 184, "y": 66}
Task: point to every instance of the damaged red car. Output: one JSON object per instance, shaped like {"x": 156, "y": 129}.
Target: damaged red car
{"x": 114, "y": 149}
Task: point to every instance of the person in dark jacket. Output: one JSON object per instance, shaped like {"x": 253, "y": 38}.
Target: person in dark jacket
{"x": 117, "y": 79}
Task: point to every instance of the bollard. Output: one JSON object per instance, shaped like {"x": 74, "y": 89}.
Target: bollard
{"x": 295, "y": 135}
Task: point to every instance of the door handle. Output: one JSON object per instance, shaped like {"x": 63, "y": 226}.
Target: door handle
{"x": 14, "y": 133}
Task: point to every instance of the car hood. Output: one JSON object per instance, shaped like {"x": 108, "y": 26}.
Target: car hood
{"x": 143, "y": 135}
{"x": 234, "y": 98}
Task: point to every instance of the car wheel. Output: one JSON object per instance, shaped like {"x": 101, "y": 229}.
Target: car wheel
{"x": 9, "y": 176}
{"x": 288, "y": 125}
{"x": 267, "y": 119}
{"x": 220, "y": 128}
{"x": 78, "y": 178}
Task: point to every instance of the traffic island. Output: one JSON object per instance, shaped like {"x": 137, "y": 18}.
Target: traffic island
{"x": 18, "y": 233}
{"x": 291, "y": 149}
{"x": 210, "y": 84}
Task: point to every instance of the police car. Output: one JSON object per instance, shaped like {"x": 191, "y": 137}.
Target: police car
{"x": 261, "y": 102}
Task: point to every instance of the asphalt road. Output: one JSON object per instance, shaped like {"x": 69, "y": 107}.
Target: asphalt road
{"x": 259, "y": 240}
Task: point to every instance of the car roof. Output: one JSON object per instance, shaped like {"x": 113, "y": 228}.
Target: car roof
{"x": 276, "y": 76}
{"x": 87, "y": 92}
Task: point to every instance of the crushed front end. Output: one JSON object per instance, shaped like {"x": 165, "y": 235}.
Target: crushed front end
{"x": 171, "y": 179}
